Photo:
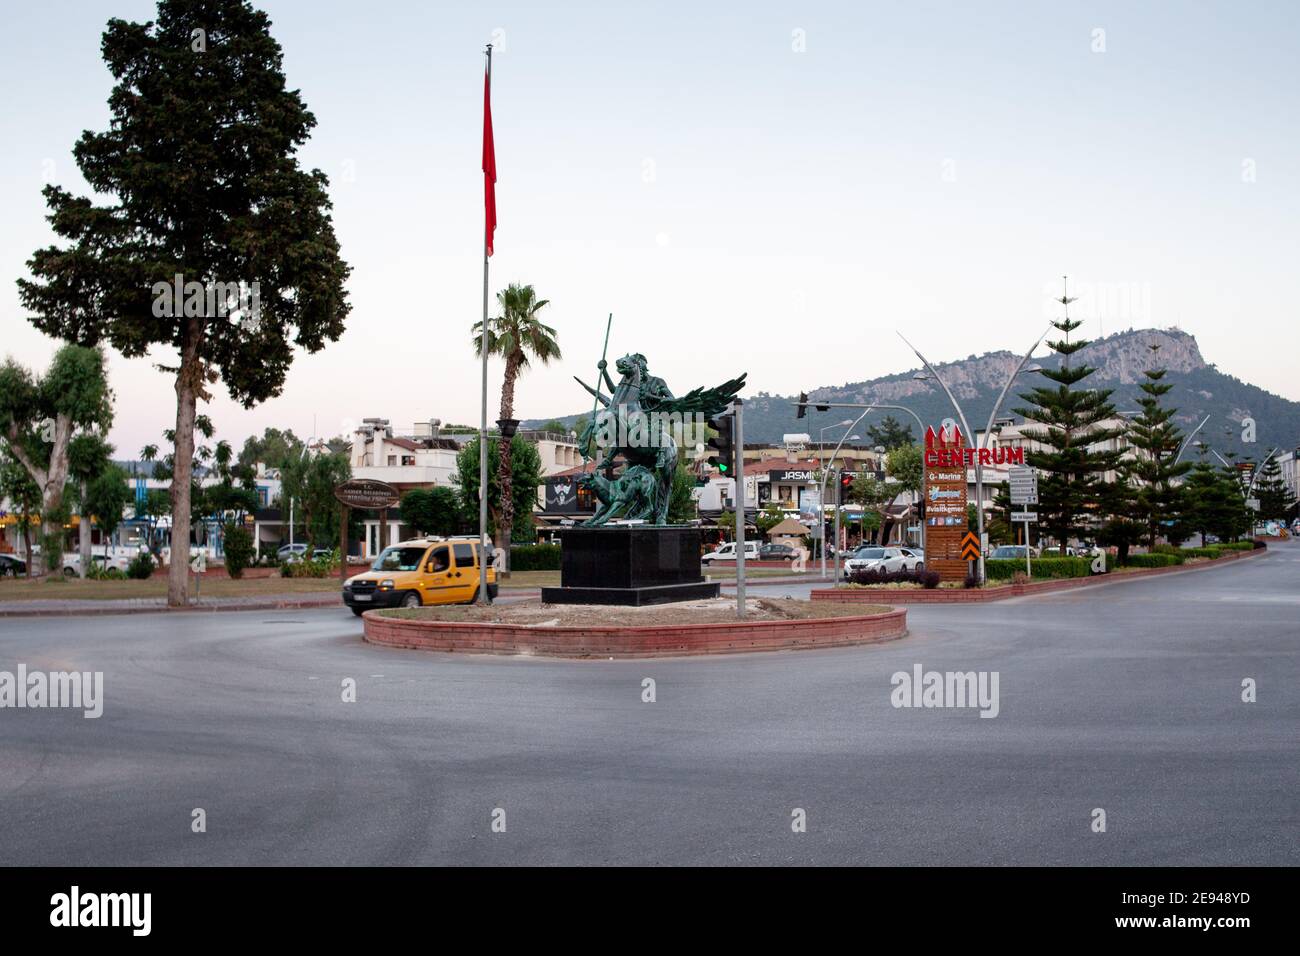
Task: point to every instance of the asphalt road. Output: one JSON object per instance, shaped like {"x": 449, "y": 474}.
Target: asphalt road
{"x": 1125, "y": 698}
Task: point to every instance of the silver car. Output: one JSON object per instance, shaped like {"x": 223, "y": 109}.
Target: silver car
{"x": 873, "y": 558}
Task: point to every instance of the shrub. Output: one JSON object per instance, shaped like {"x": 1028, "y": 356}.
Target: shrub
{"x": 1237, "y": 545}
{"x": 98, "y": 572}
{"x": 1004, "y": 569}
{"x": 535, "y": 557}
{"x": 321, "y": 567}
{"x": 1210, "y": 553}
{"x": 1153, "y": 560}
{"x": 926, "y": 578}
{"x": 141, "y": 566}
{"x": 238, "y": 546}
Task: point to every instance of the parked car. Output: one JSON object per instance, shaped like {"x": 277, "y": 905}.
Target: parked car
{"x": 913, "y": 559}
{"x": 416, "y": 572}
{"x": 727, "y": 552}
{"x": 290, "y": 553}
{"x": 9, "y": 564}
{"x": 72, "y": 563}
{"x": 873, "y": 558}
{"x": 776, "y": 552}
{"x": 1012, "y": 551}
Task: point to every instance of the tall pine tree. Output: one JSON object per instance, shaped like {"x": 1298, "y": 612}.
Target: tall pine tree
{"x": 1276, "y": 501}
{"x": 1213, "y": 504}
{"x": 1071, "y": 427}
{"x": 1151, "y": 473}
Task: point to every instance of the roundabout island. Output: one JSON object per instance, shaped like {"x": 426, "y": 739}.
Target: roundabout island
{"x": 680, "y": 629}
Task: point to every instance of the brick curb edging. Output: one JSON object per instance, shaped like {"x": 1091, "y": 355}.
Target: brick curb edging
{"x": 287, "y": 604}
{"x": 669, "y": 640}
{"x": 1004, "y": 591}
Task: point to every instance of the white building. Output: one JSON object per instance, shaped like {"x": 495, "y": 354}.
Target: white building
{"x": 422, "y": 459}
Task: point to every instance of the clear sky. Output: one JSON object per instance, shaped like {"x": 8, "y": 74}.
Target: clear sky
{"x": 770, "y": 187}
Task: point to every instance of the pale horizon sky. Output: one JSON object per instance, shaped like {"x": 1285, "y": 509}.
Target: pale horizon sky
{"x": 764, "y": 187}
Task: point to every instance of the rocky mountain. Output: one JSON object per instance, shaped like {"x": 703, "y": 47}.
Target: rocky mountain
{"x": 1200, "y": 389}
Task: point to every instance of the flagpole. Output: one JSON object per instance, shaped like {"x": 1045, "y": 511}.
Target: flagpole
{"x": 483, "y": 597}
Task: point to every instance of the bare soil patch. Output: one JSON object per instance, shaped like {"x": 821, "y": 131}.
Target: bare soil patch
{"x": 715, "y": 611}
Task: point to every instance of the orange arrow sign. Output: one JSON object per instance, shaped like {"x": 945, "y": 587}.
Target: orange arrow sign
{"x": 970, "y": 547}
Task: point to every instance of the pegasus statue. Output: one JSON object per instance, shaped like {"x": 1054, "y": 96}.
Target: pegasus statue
{"x": 635, "y": 419}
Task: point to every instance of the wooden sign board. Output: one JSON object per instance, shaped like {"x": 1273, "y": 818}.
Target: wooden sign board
{"x": 944, "y": 489}
{"x": 366, "y": 493}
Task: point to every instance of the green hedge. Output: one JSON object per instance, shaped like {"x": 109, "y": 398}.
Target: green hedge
{"x": 535, "y": 557}
{"x": 1002, "y": 569}
{"x": 1153, "y": 560}
{"x": 1234, "y": 546}
{"x": 1202, "y": 552}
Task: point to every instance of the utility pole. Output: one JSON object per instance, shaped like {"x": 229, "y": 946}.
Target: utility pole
{"x": 740, "y": 509}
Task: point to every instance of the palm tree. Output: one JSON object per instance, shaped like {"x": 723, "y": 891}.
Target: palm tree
{"x": 517, "y": 336}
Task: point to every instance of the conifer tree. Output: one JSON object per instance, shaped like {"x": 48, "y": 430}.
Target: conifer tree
{"x": 1276, "y": 501}
{"x": 1070, "y": 426}
{"x": 202, "y": 234}
{"x": 1151, "y": 474}
{"x": 1213, "y": 504}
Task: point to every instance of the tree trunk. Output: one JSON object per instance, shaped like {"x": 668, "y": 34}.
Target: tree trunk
{"x": 505, "y": 526}
{"x": 83, "y": 532}
{"x": 188, "y": 384}
{"x": 51, "y": 480}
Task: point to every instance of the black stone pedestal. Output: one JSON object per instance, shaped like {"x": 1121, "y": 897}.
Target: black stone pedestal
{"x": 629, "y": 564}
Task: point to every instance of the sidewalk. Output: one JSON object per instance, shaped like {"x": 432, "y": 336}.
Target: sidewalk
{"x": 158, "y": 605}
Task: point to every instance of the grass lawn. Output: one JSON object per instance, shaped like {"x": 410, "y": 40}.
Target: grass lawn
{"x": 63, "y": 589}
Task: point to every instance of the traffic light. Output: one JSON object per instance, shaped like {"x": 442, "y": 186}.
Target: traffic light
{"x": 846, "y": 485}
{"x": 801, "y": 406}
{"x": 721, "y": 449}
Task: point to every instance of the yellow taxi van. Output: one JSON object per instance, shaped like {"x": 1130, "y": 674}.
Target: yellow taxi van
{"x": 418, "y": 572}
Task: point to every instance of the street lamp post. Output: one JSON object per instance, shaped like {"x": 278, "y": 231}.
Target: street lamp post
{"x": 974, "y": 441}
{"x": 1188, "y": 440}
{"x": 821, "y": 463}
{"x": 838, "y": 508}
{"x": 823, "y": 406}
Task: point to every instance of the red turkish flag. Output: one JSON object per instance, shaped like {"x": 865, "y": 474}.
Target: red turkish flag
{"x": 489, "y": 164}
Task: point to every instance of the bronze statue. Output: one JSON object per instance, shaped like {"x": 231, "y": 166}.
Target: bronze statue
{"x": 630, "y": 496}
{"x": 635, "y": 422}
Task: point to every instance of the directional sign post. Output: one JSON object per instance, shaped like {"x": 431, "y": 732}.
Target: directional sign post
{"x": 198, "y": 564}
{"x": 1023, "y": 484}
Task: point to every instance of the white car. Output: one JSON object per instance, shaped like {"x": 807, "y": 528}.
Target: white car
{"x": 291, "y": 552}
{"x": 72, "y": 563}
{"x": 874, "y": 558}
{"x": 728, "y": 552}
{"x": 913, "y": 559}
